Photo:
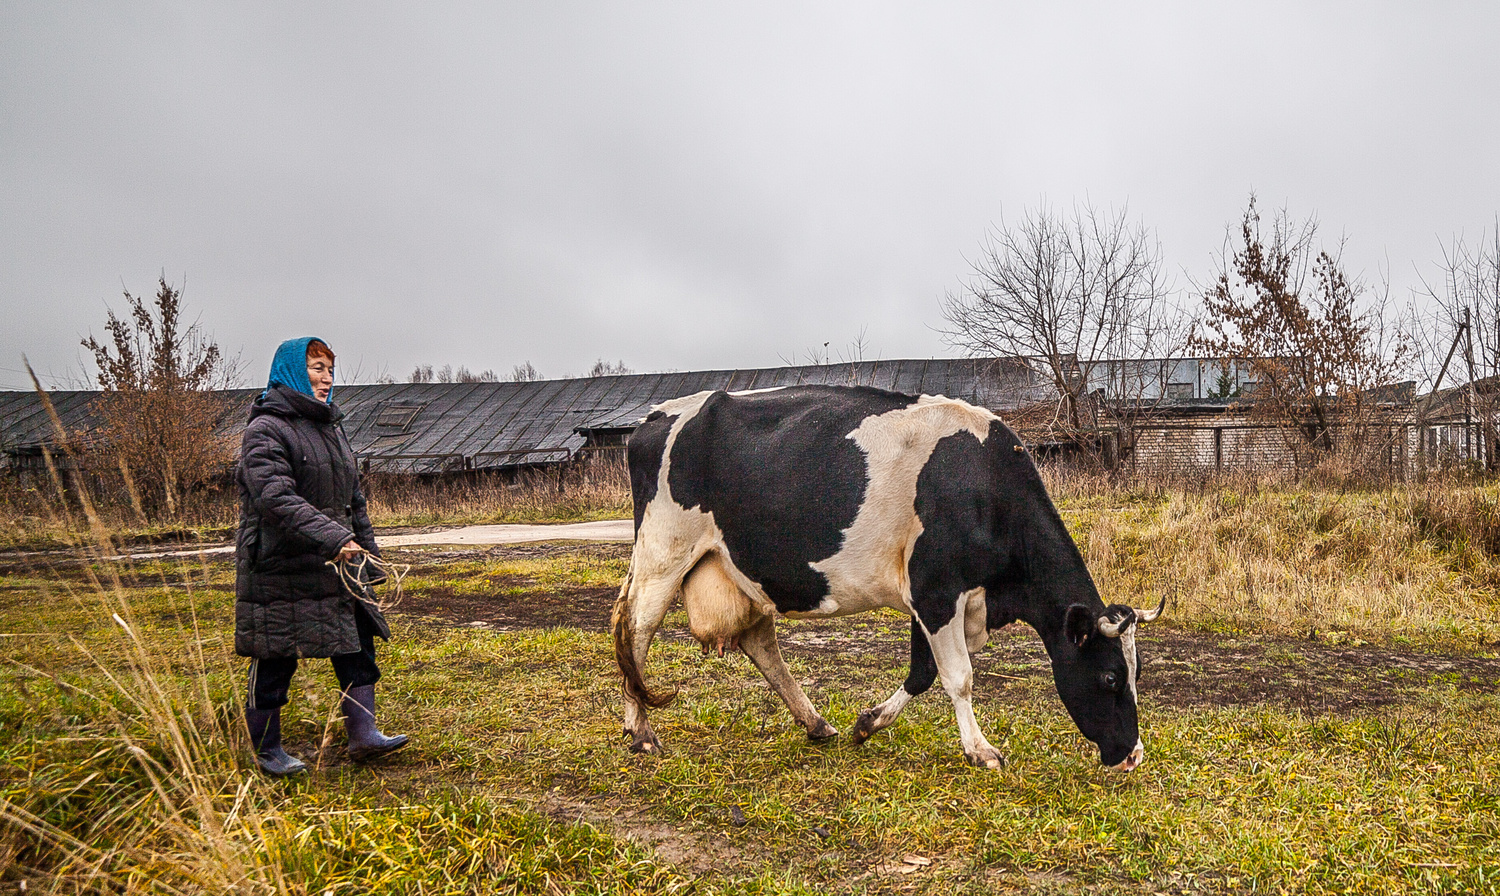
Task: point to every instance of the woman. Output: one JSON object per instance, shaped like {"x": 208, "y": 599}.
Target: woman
{"x": 300, "y": 508}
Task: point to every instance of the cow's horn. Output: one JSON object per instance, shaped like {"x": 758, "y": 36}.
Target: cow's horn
{"x": 1109, "y": 628}
{"x": 1150, "y": 615}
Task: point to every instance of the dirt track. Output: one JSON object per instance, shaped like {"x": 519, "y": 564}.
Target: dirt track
{"x": 1179, "y": 668}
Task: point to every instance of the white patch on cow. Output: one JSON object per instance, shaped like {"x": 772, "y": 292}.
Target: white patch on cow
{"x": 725, "y": 607}
{"x": 673, "y": 538}
{"x": 1136, "y": 757}
{"x": 687, "y": 405}
{"x": 870, "y": 568}
{"x": 885, "y": 713}
{"x": 1127, "y": 644}
{"x": 757, "y": 391}
{"x": 950, "y": 652}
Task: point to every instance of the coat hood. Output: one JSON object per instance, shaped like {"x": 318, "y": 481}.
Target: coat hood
{"x": 289, "y": 367}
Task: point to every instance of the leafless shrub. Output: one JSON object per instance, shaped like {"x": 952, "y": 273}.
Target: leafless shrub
{"x": 158, "y": 411}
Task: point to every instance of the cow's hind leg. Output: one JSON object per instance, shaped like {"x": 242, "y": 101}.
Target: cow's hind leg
{"x": 919, "y": 677}
{"x": 639, "y": 611}
{"x": 759, "y": 643}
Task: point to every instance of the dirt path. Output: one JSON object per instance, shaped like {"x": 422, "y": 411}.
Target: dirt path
{"x": 504, "y": 533}
{"x": 1179, "y": 668}
{"x": 599, "y": 530}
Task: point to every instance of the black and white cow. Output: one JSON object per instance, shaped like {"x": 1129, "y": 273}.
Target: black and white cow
{"x": 816, "y": 501}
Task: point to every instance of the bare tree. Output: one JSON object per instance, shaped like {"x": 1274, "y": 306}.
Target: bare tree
{"x": 1070, "y": 293}
{"x": 465, "y": 375}
{"x": 609, "y": 368}
{"x": 1462, "y": 308}
{"x": 158, "y": 410}
{"x": 524, "y": 373}
{"x": 1469, "y": 284}
{"x": 424, "y": 373}
{"x": 1316, "y": 340}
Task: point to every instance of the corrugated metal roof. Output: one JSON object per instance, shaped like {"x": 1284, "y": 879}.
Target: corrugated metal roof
{"x": 435, "y": 427}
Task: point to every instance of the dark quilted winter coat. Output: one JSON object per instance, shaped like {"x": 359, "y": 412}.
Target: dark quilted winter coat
{"x": 300, "y": 503}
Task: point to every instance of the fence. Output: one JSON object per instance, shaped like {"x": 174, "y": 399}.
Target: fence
{"x": 1395, "y": 450}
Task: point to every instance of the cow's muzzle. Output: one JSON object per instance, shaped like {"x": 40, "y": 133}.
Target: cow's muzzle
{"x": 1136, "y": 757}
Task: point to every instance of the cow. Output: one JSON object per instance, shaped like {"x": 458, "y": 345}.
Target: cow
{"x": 819, "y": 501}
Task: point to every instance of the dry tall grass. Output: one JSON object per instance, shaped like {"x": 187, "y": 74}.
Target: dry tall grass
{"x": 1416, "y": 563}
{"x": 149, "y": 795}
{"x": 599, "y": 489}
{"x": 35, "y": 515}
{"x": 143, "y": 790}
{"x": 31, "y": 516}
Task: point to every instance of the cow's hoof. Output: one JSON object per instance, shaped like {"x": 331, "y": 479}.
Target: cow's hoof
{"x": 822, "y": 732}
{"x": 646, "y": 744}
{"x": 989, "y": 758}
{"x": 866, "y": 725}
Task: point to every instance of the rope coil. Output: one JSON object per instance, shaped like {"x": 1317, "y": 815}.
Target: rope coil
{"x": 355, "y": 575}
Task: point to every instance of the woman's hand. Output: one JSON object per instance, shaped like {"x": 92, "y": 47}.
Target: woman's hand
{"x": 349, "y": 551}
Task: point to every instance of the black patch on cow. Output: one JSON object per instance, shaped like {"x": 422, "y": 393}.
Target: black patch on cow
{"x": 923, "y": 668}
{"x": 643, "y": 452}
{"x": 961, "y": 502}
{"x": 781, "y": 478}
{"x": 1080, "y": 623}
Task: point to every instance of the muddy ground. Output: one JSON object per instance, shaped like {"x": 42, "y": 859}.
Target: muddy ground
{"x": 1179, "y": 668}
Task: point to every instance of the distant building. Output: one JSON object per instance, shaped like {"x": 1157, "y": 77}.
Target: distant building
{"x": 1184, "y": 416}
{"x": 426, "y": 428}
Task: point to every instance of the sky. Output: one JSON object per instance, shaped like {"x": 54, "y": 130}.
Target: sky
{"x": 685, "y": 186}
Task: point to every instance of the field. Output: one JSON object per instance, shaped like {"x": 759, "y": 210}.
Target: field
{"x": 1319, "y": 711}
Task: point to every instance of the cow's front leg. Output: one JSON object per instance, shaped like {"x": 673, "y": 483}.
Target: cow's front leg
{"x": 919, "y": 678}
{"x": 759, "y": 643}
{"x": 950, "y": 652}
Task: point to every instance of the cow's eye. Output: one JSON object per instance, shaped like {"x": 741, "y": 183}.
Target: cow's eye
{"x": 1111, "y": 681}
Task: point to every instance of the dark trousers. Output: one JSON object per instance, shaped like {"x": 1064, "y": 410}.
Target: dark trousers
{"x": 270, "y": 678}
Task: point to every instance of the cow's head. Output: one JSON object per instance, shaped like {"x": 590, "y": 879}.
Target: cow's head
{"x": 1096, "y": 670}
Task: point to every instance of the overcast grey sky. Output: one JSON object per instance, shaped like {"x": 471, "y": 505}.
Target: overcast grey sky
{"x": 685, "y": 186}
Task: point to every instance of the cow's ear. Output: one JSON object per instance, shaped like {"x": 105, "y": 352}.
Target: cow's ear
{"x": 1080, "y": 623}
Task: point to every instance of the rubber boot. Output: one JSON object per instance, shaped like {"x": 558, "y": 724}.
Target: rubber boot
{"x": 365, "y": 740}
{"x": 265, "y": 737}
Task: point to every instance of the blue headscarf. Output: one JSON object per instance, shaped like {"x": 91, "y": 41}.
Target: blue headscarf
{"x": 289, "y": 367}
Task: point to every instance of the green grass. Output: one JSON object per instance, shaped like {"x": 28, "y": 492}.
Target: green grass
{"x": 515, "y": 577}
{"x": 519, "y": 781}
{"x": 123, "y": 767}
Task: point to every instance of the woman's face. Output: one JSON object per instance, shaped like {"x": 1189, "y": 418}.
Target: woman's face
{"x": 320, "y": 374}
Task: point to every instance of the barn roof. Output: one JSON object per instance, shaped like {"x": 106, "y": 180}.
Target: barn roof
{"x": 438, "y": 427}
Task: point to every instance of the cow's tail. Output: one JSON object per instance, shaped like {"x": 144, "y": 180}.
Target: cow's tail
{"x": 624, "y": 627}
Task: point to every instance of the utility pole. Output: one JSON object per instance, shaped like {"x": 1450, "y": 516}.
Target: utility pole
{"x": 1470, "y": 404}
{"x": 1425, "y": 405}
